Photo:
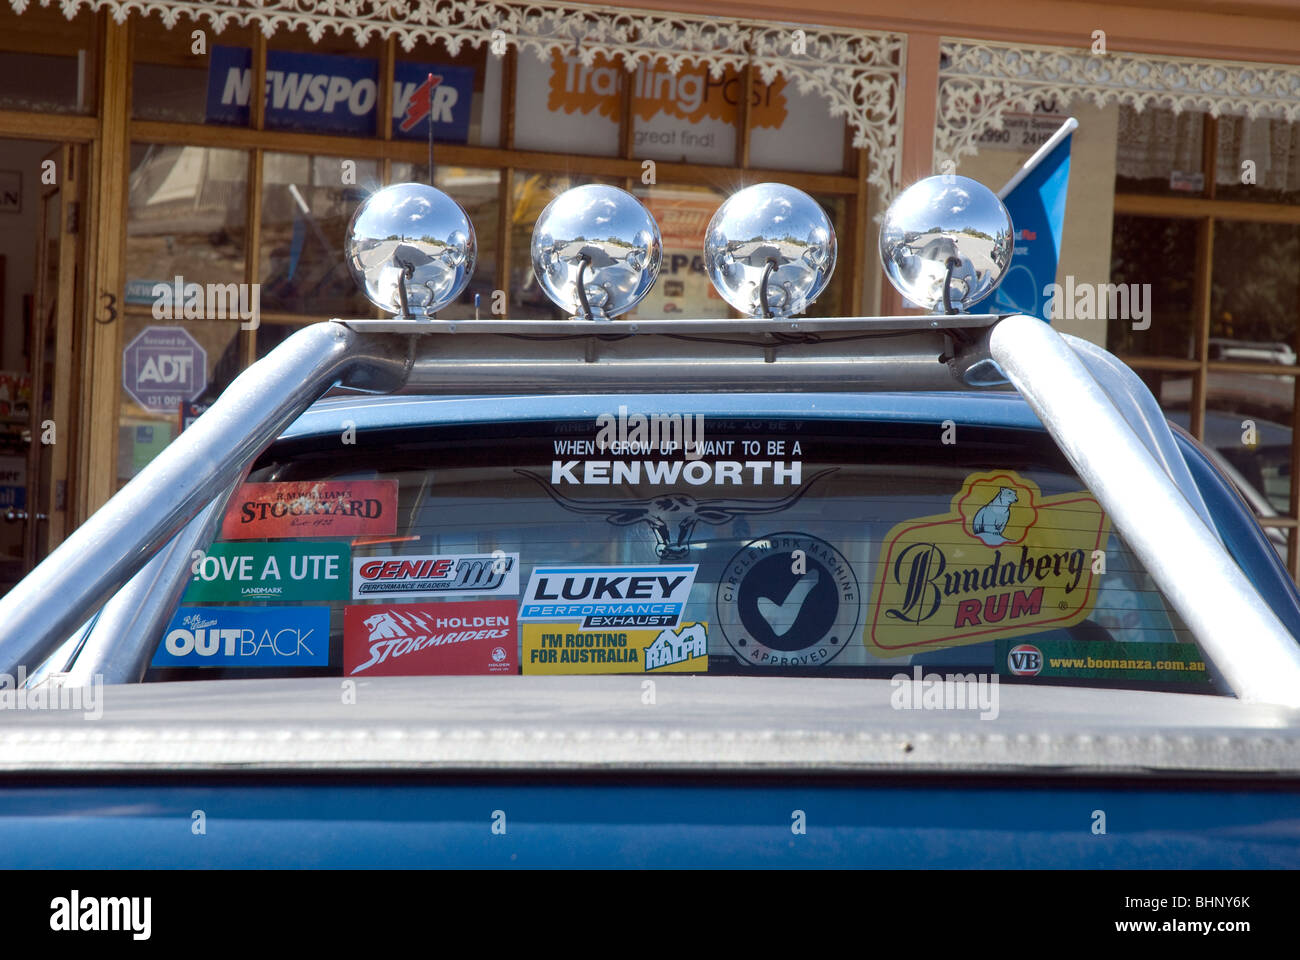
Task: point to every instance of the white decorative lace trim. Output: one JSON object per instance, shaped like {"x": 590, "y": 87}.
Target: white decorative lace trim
{"x": 980, "y": 82}
{"x": 856, "y": 71}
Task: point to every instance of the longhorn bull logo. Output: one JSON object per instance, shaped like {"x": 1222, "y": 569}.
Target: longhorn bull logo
{"x": 672, "y": 517}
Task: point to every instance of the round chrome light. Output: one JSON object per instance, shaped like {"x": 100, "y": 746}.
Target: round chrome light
{"x": 946, "y": 231}
{"x": 411, "y": 239}
{"x": 770, "y": 232}
{"x": 596, "y": 251}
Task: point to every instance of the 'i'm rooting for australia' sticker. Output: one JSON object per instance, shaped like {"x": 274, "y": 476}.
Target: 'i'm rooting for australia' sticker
{"x": 651, "y": 596}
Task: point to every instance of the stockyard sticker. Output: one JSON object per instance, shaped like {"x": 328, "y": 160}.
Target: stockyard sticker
{"x": 604, "y": 598}
{"x": 309, "y": 572}
{"x": 329, "y": 508}
{"x": 431, "y": 575}
{"x": 566, "y": 648}
{"x": 788, "y": 599}
{"x": 246, "y": 637}
{"x": 429, "y": 639}
{"x": 1102, "y": 660}
{"x": 1005, "y": 561}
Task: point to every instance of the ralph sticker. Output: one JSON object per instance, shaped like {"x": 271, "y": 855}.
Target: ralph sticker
{"x": 312, "y": 572}
{"x": 1005, "y": 561}
{"x": 328, "y": 508}
{"x": 603, "y": 598}
{"x": 566, "y": 648}
{"x": 429, "y": 639}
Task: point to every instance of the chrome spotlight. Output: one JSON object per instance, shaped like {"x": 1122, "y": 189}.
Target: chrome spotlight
{"x": 596, "y": 251}
{"x": 946, "y": 242}
{"x": 770, "y": 250}
{"x": 411, "y": 249}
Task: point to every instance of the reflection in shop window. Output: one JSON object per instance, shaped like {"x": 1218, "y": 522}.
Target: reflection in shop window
{"x": 1258, "y": 160}
{"x": 683, "y": 288}
{"x": 1254, "y": 291}
{"x": 185, "y": 218}
{"x": 178, "y": 80}
{"x": 306, "y": 205}
{"x": 46, "y": 60}
{"x": 1160, "y": 152}
{"x": 1160, "y": 252}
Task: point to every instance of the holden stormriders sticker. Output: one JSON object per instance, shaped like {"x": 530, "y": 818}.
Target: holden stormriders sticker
{"x": 1004, "y": 561}
{"x": 314, "y": 572}
{"x": 788, "y": 599}
{"x": 429, "y": 639}
{"x": 432, "y": 575}
{"x": 246, "y": 637}
{"x": 672, "y": 517}
{"x": 606, "y": 597}
{"x": 566, "y": 648}
{"x": 1102, "y": 660}
{"x": 328, "y": 508}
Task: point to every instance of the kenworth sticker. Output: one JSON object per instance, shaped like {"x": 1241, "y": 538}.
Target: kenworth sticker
{"x": 788, "y": 599}
{"x": 672, "y": 517}
{"x": 310, "y": 572}
{"x": 429, "y": 639}
{"x": 1102, "y": 660}
{"x": 609, "y": 597}
{"x": 1004, "y": 561}
{"x": 432, "y": 575}
{"x": 565, "y": 648}
{"x": 246, "y": 637}
{"x": 312, "y": 508}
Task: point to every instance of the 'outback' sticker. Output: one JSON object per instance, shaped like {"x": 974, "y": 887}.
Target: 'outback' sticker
{"x": 1004, "y": 561}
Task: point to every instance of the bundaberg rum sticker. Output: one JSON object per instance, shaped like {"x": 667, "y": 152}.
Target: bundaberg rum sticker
{"x": 1004, "y": 561}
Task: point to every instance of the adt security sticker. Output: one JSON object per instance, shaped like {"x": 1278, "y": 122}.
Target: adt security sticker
{"x": 600, "y": 597}
{"x": 246, "y": 637}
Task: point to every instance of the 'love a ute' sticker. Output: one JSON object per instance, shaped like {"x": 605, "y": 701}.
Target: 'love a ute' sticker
{"x": 1004, "y": 561}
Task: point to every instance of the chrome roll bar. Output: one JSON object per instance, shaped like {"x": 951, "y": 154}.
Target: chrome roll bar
{"x": 1101, "y": 415}
{"x": 1234, "y": 626}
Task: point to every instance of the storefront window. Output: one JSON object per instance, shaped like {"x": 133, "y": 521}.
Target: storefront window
{"x": 565, "y": 106}
{"x": 171, "y": 370}
{"x": 1160, "y": 152}
{"x": 465, "y": 98}
{"x": 1153, "y": 259}
{"x": 306, "y": 205}
{"x": 1254, "y": 291}
{"x": 186, "y": 218}
{"x": 46, "y": 60}
{"x": 180, "y": 78}
{"x": 683, "y": 288}
{"x": 1258, "y": 160}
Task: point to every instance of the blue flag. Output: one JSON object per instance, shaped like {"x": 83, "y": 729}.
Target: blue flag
{"x": 1035, "y": 198}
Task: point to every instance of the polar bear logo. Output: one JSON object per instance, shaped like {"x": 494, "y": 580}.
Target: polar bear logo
{"x": 992, "y": 518}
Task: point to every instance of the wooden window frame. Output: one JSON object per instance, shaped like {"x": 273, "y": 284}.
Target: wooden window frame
{"x": 1206, "y": 210}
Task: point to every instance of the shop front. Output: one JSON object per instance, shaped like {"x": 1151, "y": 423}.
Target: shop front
{"x": 178, "y": 190}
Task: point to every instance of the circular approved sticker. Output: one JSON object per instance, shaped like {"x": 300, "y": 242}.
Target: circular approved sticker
{"x": 788, "y": 599}
{"x": 1025, "y": 660}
